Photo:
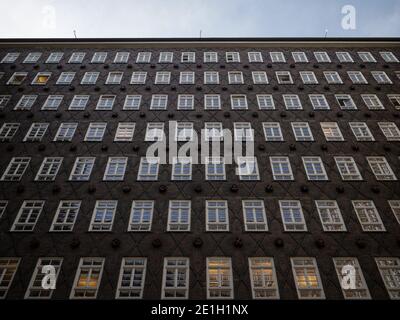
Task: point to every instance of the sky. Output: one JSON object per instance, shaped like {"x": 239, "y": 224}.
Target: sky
{"x": 185, "y": 18}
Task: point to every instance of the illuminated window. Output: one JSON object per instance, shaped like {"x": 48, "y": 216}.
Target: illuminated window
{"x": 331, "y": 131}
{"x": 219, "y": 278}
{"x": 27, "y": 216}
{"x": 307, "y": 278}
{"x": 141, "y": 215}
{"x": 263, "y": 280}
{"x": 41, "y": 78}
{"x": 125, "y": 131}
{"x": 368, "y": 215}
{"x": 175, "y": 283}
{"x": 131, "y": 278}
{"x": 330, "y": 215}
{"x": 8, "y": 268}
{"x": 87, "y": 279}
{"x": 65, "y": 217}
{"x": 389, "y": 268}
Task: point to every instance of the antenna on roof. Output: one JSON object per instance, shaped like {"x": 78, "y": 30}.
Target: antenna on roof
{"x": 326, "y": 33}
{"x": 200, "y": 34}
{"x": 75, "y": 34}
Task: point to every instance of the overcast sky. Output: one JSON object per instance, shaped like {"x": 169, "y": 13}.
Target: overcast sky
{"x": 185, "y": 18}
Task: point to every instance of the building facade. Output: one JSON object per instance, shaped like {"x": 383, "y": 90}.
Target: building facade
{"x": 321, "y": 196}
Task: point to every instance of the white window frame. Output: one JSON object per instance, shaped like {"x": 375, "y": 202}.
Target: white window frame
{"x": 314, "y": 168}
{"x": 368, "y": 216}
{"x": 141, "y": 209}
{"x": 330, "y": 216}
{"x": 294, "y": 220}
{"x": 115, "y": 169}
{"x": 381, "y": 169}
{"x": 66, "y": 215}
{"x": 254, "y": 216}
{"x": 219, "y": 278}
{"x": 132, "y": 277}
{"x": 263, "y": 280}
{"x": 49, "y": 169}
{"x": 307, "y": 278}
{"x": 28, "y": 216}
{"x": 149, "y": 162}
{"x": 179, "y": 215}
{"x": 101, "y": 220}
{"x": 82, "y": 169}
{"x": 348, "y": 168}
{"x": 89, "y": 265}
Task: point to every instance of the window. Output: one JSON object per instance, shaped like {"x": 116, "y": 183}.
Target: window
{"x": 32, "y": 57}
{"x": 90, "y": 77}
{"x": 366, "y": 57}
{"x": 215, "y": 168}
{"x": 131, "y": 278}
{"x": 185, "y": 102}
{"x": 217, "y": 218}
{"x": 175, "y": 283}
{"x": 65, "y": 217}
{"x": 314, "y": 168}
{"x": 344, "y": 57}
{"x": 79, "y": 102}
{"x": 35, "y": 289}
{"x": 154, "y": 131}
{"x": 105, "y": 102}
{"x": 166, "y": 57}
{"x": 184, "y": 131}
{"x": 36, "y": 132}
{"x": 138, "y": 77}
{"x": 319, "y": 102}
{"x": 281, "y": 169}
{"x": 342, "y": 266}
{"x": 381, "y": 168}
{"x": 243, "y": 131}
{"x": 82, "y": 169}
{"x": 333, "y": 77}
{"x": 263, "y": 280}
{"x": 213, "y": 131}
{"x": 26, "y": 102}
{"x": 77, "y": 57}
{"x": 28, "y": 215}
{"x": 179, "y": 215}
{"x": 232, "y": 57}
{"x": 259, "y": 77}
{"x": 361, "y": 131}
{"x": 322, "y": 57}
{"x": 141, "y": 215}
{"x": 8, "y": 268}
{"x": 235, "y": 77}
{"x": 265, "y": 102}
{"x": 114, "y": 77}
{"x": 368, "y": 215}
{"x": 302, "y": 131}
{"x": 219, "y": 278}
{"x": 331, "y": 131}
{"x": 388, "y": 56}
{"x": 8, "y": 130}
{"x": 381, "y": 77}
{"x": 357, "y": 77}
{"x": 254, "y": 215}
{"x": 125, "y": 131}
{"x": 66, "y": 78}
{"x": 99, "y": 57}
{"x": 115, "y": 170}
{"x": 211, "y": 77}
{"x": 389, "y": 269}
{"x": 238, "y": 102}
{"x": 10, "y": 57}
{"x": 372, "y": 102}
{"x": 148, "y": 169}
{"x": 390, "y": 131}
{"x": 255, "y": 57}
{"x": 292, "y": 102}
{"x": 188, "y": 57}
{"x": 16, "y": 169}
{"x": 292, "y": 215}
{"x": 212, "y": 102}
{"x": 132, "y": 102}
{"x": 103, "y": 215}
{"x": 393, "y": 98}
{"x": 299, "y": 57}
{"x": 308, "y": 77}
{"x": 65, "y": 132}
{"x": 3, "y": 206}
{"x": 307, "y": 279}
{"x": 49, "y": 168}
{"x": 284, "y": 77}
{"x": 163, "y": 77}
{"x": 52, "y": 102}
{"x": 348, "y": 168}
{"x": 4, "y": 100}
{"x": 330, "y": 216}
{"x": 121, "y": 57}
{"x": 95, "y": 131}
{"x": 345, "y": 102}
{"x": 41, "y": 78}
{"x": 181, "y": 169}
{"x": 87, "y": 278}
{"x": 272, "y": 131}
{"x": 143, "y": 57}
{"x": 159, "y": 102}
{"x": 395, "y": 206}
{"x": 186, "y": 77}
{"x": 277, "y": 57}
{"x": 210, "y": 57}
{"x": 247, "y": 168}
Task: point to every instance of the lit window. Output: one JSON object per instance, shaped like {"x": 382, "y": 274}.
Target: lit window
{"x": 238, "y": 102}
{"x": 357, "y": 77}
{"x": 66, "y": 131}
{"x": 41, "y": 78}
{"x": 307, "y": 279}
{"x": 8, "y": 268}
{"x": 138, "y": 77}
{"x": 143, "y": 57}
{"x": 247, "y": 168}
{"x": 381, "y": 77}
{"x": 302, "y": 131}
{"x": 90, "y": 77}
{"x": 272, "y": 131}
{"x": 212, "y": 102}
{"x": 115, "y": 170}
{"x": 175, "y": 283}
{"x": 184, "y": 131}
{"x": 121, "y": 57}
{"x": 52, "y": 102}
{"x": 235, "y": 77}
{"x": 27, "y": 216}
{"x": 389, "y": 269}
{"x": 284, "y": 77}
{"x": 105, "y": 102}
{"x": 277, "y": 57}
{"x": 77, "y": 57}
{"x": 292, "y": 102}
{"x": 344, "y": 57}
{"x": 390, "y": 131}
{"x": 95, "y": 131}
{"x": 10, "y": 57}
{"x": 219, "y": 278}
{"x": 211, "y": 77}
{"x": 131, "y": 278}
{"x": 213, "y": 131}
{"x": 308, "y": 77}
{"x": 87, "y": 278}
{"x": 361, "y": 131}
{"x": 26, "y": 102}
{"x": 66, "y": 78}
{"x": 263, "y": 279}
{"x": 299, "y": 57}
{"x": 141, "y": 215}
{"x": 166, "y": 57}
{"x": 255, "y": 57}
{"x": 381, "y": 168}
{"x": 32, "y": 57}
{"x": 114, "y": 77}
{"x": 99, "y": 57}
{"x": 125, "y": 131}
{"x": 265, "y": 102}
{"x": 188, "y": 57}
{"x": 7, "y": 131}
{"x": 179, "y": 215}
{"x": 185, "y": 102}
{"x": 243, "y": 131}
{"x": 345, "y": 102}
{"x": 82, "y": 169}
{"x": 314, "y": 168}
{"x": 319, "y": 102}
{"x": 79, "y": 102}
{"x": 154, "y": 131}
{"x": 388, "y": 56}
{"x": 49, "y": 168}
{"x": 181, "y": 169}
{"x": 148, "y": 169}
{"x": 103, "y": 215}
{"x": 254, "y": 216}
{"x": 281, "y": 168}
{"x": 16, "y": 169}
{"x": 232, "y": 57}
{"x": 366, "y": 57}
{"x": 132, "y": 102}
{"x": 322, "y": 57}
{"x": 292, "y": 215}
{"x": 348, "y": 168}
{"x": 159, "y": 102}
{"x": 333, "y": 77}
{"x": 330, "y": 216}
{"x": 163, "y": 77}
{"x": 368, "y": 215}
{"x": 331, "y": 131}
{"x": 210, "y": 57}
{"x": 215, "y": 168}
{"x": 36, "y": 132}
{"x": 17, "y": 78}
{"x": 217, "y": 218}
{"x": 395, "y": 206}
{"x": 65, "y": 217}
